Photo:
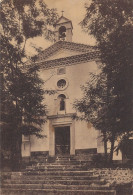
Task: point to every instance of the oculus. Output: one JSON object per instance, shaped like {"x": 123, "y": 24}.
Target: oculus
{"x": 61, "y": 84}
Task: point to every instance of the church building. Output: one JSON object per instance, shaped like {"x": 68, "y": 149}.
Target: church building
{"x": 65, "y": 67}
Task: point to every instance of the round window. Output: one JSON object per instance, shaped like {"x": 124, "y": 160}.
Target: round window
{"x": 61, "y": 83}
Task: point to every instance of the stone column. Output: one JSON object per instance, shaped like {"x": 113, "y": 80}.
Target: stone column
{"x": 26, "y": 146}
{"x": 51, "y": 140}
{"x": 72, "y": 138}
{"x": 100, "y": 144}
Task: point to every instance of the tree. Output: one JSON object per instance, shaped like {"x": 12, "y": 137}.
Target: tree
{"x": 92, "y": 107}
{"x": 23, "y": 111}
{"x": 111, "y": 23}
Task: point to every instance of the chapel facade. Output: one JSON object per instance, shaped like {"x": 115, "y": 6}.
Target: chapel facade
{"x": 65, "y": 67}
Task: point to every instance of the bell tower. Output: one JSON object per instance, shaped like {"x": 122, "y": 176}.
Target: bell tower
{"x": 63, "y": 29}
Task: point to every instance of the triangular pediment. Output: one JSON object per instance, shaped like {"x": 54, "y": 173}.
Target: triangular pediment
{"x": 62, "y": 19}
{"x": 62, "y": 49}
{"x": 63, "y": 53}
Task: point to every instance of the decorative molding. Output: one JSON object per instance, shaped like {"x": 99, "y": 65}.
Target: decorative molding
{"x": 62, "y": 78}
{"x": 71, "y": 46}
{"x": 62, "y": 17}
{"x": 59, "y": 93}
{"x": 62, "y": 123}
{"x": 61, "y": 116}
{"x": 77, "y": 59}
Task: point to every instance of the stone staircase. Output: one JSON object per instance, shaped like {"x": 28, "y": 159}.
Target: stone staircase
{"x": 66, "y": 176}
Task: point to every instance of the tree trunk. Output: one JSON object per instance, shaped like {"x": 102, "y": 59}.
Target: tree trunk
{"x": 112, "y": 149}
{"x": 16, "y": 151}
{"x": 105, "y": 145}
{"x": 17, "y": 140}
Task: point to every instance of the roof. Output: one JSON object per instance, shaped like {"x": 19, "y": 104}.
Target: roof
{"x": 71, "y": 46}
{"x": 83, "y": 58}
{"x": 62, "y": 19}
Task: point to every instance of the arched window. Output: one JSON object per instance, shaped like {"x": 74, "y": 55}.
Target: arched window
{"x": 62, "y": 98}
{"x": 62, "y": 33}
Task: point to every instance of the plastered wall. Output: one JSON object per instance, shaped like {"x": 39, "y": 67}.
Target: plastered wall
{"x": 85, "y": 135}
{"x": 76, "y": 75}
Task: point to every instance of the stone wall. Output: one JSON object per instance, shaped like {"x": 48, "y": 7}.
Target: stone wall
{"x": 115, "y": 176}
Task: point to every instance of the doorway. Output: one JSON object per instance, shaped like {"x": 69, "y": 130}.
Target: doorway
{"x": 62, "y": 140}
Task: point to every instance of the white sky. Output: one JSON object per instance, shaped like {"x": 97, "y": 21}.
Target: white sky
{"x": 73, "y": 10}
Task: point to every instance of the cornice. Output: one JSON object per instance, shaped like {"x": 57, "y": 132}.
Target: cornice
{"x": 61, "y": 116}
{"x": 71, "y": 46}
{"x": 67, "y": 61}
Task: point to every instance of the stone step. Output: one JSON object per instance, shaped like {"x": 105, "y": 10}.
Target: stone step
{"x": 62, "y": 159}
{"x": 42, "y": 169}
{"x": 65, "y": 176}
{"x": 53, "y": 170}
{"x": 60, "y": 173}
{"x": 56, "y": 192}
{"x": 65, "y": 157}
{"x": 68, "y": 163}
{"x": 64, "y": 182}
{"x": 56, "y": 158}
{"x": 54, "y": 177}
{"x": 63, "y": 162}
{"x": 56, "y": 186}
{"x": 56, "y": 166}
{"x": 71, "y": 160}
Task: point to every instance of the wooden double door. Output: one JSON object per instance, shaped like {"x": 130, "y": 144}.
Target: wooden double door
{"x": 62, "y": 140}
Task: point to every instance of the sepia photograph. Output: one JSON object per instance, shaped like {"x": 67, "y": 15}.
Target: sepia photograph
{"x": 66, "y": 97}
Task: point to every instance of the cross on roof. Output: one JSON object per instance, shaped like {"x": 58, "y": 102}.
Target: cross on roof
{"x": 62, "y": 12}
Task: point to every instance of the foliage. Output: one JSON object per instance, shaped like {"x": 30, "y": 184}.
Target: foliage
{"x": 111, "y": 23}
{"x": 23, "y": 110}
{"x": 21, "y": 20}
{"x": 124, "y": 143}
{"x": 94, "y": 105}
{"x": 112, "y": 26}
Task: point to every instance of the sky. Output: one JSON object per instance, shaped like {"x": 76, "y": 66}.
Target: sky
{"x": 73, "y": 10}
